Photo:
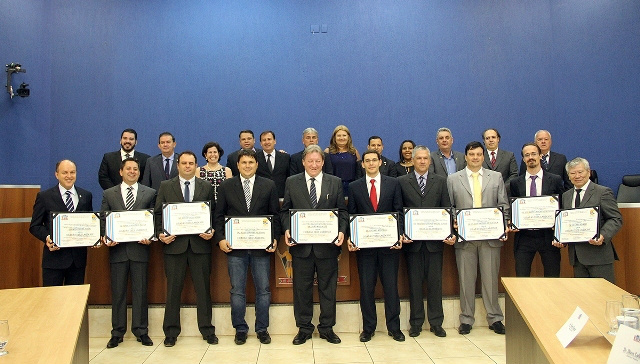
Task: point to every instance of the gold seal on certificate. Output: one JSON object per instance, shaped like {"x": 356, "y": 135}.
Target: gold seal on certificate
{"x": 427, "y": 223}
{"x": 186, "y": 218}
{"x": 537, "y": 212}
{"x": 75, "y": 229}
{"x": 314, "y": 226}
{"x": 481, "y": 224}
{"x": 374, "y": 230}
{"x": 577, "y": 225}
{"x": 248, "y": 232}
{"x": 123, "y": 226}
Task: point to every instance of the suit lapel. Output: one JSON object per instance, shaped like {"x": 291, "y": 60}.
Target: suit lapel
{"x": 414, "y": 183}
{"x": 254, "y": 194}
{"x": 545, "y": 183}
{"x": 522, "y": 186}
{"x": 587, "y": 195}
{"x": 442, "y": 163}
{"x": 176, "y": 189}
{"x": 485, "y": 180}
{"x": 464, "y": 180}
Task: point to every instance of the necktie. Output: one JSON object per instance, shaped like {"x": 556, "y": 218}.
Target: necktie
{"x": 477, "y": 190}
{"x": 69, "y": 202}
{"x": 167, "y": 170}
{"x": 493, "y": 159}
{"x": 312, "y": 193}
{"x": 247, "y": 193}
{"x": 533, "y": 190}
{"x": 422, "y": 185}
{"x": 187, "y": 195}
{"x": 269, "y": 165}
{"x": 129, "y": 202}
{"x": 545, "y": 162}
{"x": 373, "y": 195}
{"x": 127, "y": 155}
{"x": 577, "y": 204}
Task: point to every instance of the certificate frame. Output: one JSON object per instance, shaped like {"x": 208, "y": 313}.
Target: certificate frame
{"x": 463, "y": 225}
{"x": 228, "y": 229}
{"x": 294, "y": 223}
{"x": 57, "y": 219}
{"x": 516, "y": 202}
{"x": 355, "y": 219}
{"x": 408, "y": 219}
{"x": 108, "y": 226}
{"x": 560, "y": 214}
{"x": 165, "y": 214}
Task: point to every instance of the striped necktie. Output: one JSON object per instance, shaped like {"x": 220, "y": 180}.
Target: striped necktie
{"x": 129, "y": 202}
{"x": 69, "y": 202}
{"x": 313, "y": 194}
{"x": 422, "y": 185}
{"x": 247, "y": 193}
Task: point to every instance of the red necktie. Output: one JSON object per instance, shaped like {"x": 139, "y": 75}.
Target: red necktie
{"x": 373, "y": 195}
{"x": 493, "y": 159}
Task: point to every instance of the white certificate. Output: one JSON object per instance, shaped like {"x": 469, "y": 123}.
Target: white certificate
{"x": 75, "y": 229}
{"x": 481, "y": 224}
{"x": 248, "y": 232}
{"x": 314, "y": 226}
{"x": 186, "y": 218}
{"x": 577, "y": 225}
{"x": 374, "y": 230}
{"x": 123, "y": 226}
{"x": 534, "y": 212}
{"x": 427, "y": 223}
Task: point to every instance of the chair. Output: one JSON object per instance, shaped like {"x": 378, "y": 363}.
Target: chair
{"x": 629, "y": 190}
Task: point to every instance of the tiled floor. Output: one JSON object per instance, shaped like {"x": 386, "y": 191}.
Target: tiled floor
{"x": 479, "y": 347}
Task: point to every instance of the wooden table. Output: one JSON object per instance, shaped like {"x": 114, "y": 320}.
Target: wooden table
{"x": 536, "y": 308}
{"x": 47, "y": 325}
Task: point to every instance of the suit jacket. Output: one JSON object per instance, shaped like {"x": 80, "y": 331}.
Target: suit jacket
{"x": 170, "y": 192}
{"x": 49, "y": 201}
{"x": 109, "y": 172}
{"x": 493, "y": 195}
{"x": 557, "y": 164}
{"x": 232, "y": 161}
{"x": 437, "y": 163}
{"x": 390, "y": 201}
{"x": 505, "y": 164}
{"x": 154, "y": 171}
{"x": 435, "y": 195}
{"x": 296, "y": 196}
{"x": 112, "y": 200}
{"x": 610, "y": 224}
{"x": 295, "y": 165}
{"x": 280, "y": 171}
{"x": 231, "y": 202}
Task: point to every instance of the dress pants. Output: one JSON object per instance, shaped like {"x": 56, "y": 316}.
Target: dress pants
{"x": 531, "y": 242}
{"x": 605, "y": 271}
{"x": 370, "y": 266}
{"x": 63, "y": 277}
{"x": 260, "y": 270}
{"x": 422, "y": 266}
{"x": 326, "y": 270}
{"x": 139, "y": 306}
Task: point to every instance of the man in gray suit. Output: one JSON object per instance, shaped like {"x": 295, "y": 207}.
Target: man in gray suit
{"x": 186, "y": 250}
{"x": 128, "y": 257}
{"x": 475, "y": 187}
{"x": 596, "y": 258}
{"x": 162, "y": 166}
{"x": 446, "y": 161}
{"x": 497, "y": 159}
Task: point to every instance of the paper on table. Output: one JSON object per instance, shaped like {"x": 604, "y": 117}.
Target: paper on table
{"x": 572, "y": 327}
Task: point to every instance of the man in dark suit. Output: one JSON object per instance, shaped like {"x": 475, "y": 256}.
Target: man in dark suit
{"x": 273, "y": 164}
{"x": 445, "y": 161}
{"x": 186, "y": 250}
{"x": 109, "y": 172}
{"x": 376, "y": 193}
{"x": 424, "y": 258}
{"x": 595, "y": 259}
{"x": 128, "y": 257}
{"x": 64, "y": 266}
{"x": 314, "y": 189}
{"x": 248, "y": 195}
{"x": 551, "y": 161}
{"x": 375, "y": 143}
{"x": 309, "y": 137}
{"x": 247, "y": 141}
{"x": 535, "y": 182}
{"x": 497, "y": 159}
{"x": 162, "y": 166}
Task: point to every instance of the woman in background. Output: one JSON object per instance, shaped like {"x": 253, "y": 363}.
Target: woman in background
{"x": 344, "y": 157}
{"x": 213, "y": 171}
{"x": 405, "y": 163}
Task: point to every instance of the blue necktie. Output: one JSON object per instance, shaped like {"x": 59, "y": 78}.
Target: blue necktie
{"x": 69, "y": 202}
{"x": 167, "y": 170}
{"x": 187, "y": 195}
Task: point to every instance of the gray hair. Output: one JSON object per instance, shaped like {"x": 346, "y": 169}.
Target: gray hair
{"x": 309, "y": 131}
{"x": 575, "y": 162}
{"x": 444, "y": 129}
{"x": 313, "y": 148}
{"x": 419, "y": 148}
{"x": 535, "y": 136}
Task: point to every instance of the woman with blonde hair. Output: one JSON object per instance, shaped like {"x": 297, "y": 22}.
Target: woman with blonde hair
{"x": 344, "y": 156}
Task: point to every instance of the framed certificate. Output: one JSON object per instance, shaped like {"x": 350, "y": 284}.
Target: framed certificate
{"x": 577, "y": 225}
{"x": 428, "y": 223}
{"x": 314, "y": 226}
{"x": 75, "y": 229}
{"x": 481, "y": 224}
{"x": 243, "y": 232}
{"x": 538, "y": 212}
{"x": 374, "y": 230}
{"x": 186, "y": 218}
{"x": 123, "y": 226}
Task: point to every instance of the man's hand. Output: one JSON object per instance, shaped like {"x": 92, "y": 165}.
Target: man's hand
{"x": 597, "y": 242}
{"x": 340, "y": 239}
{"x": 167, "y": 239}
{"x": 52, "y": 247}
{"x": 224, "y": 246}
{"x": 206, "y": 236}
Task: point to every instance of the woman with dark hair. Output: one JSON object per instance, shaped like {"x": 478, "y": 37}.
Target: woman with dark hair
{"x": 213, "y": 171}
{"x": 405, "y": 162}
{"x": 344, "y": 157}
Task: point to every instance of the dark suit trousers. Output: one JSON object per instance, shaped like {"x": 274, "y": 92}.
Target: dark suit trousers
{"x": 605, "y": 271}
{"x": 62, "y": 277}
{"x": 139, "y": 306}
{"x": 370, "y": 266}
{"x": 422, "y": 266}
{"x": 303, "y": 274}
{"x": 175, "y": 267}
{"x": 530, "y": 242}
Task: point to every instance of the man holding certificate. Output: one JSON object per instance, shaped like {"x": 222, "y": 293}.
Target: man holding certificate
{"x": 241, "y": 196}
{"x": 595, "y": 258}
{"x": 371, "y": 194}
{"x": 471, "y": 188}
{"x": 421, "y": 189}
{"x": 180, "y": 251}
{"x": 314, "y": 190}
{"x": 129, "y": 258}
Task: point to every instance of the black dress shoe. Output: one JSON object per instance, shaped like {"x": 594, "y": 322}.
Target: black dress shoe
{"x": 366, "y": 335}
{"x": 301, "y": 338}
{"x": 212, "y": 339}
{"x": 145, "y": 340}
{"x": 170, "y": 341}
{"x": 264, "y": 337}
{"x": 331, "y": 337}
{"x": 438, "y": 331}
{"x": 113, "y": 342}
{"x": 397, "y": 335}
{"x": 415, "y": 331}
{"x": 241, "y": 338}
{"x": 464, "y": 329}
{"x": 497, "y": 327}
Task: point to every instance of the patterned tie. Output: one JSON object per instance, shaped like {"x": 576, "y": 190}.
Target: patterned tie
{"x": 269, "y": 165}
{"x": 312, "y": 193}
{"x": 187, "y": 195}
{"x": 578, "y": 190}
{"x": 545, "y": 162}
{"x": 167, "y": 170}
{"x": 129, "y": 202}
{"x": 493, "y": 159}
{"x": 127, "y": 155}
{"x": 533, "y": 190}
{"x": 69, "y": 202}
{"x": 247, "y": 193}
{"x": 477, "y": 190}
{"x": 422, "y": 184}
{"x": 373, "y": 195}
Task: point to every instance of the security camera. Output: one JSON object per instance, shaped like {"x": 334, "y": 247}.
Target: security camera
{"x": 23, "y": 91}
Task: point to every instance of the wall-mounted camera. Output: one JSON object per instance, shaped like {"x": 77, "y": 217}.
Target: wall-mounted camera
{"x": 12, "y": 68}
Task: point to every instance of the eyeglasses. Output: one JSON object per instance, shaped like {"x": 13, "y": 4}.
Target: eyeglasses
{"x": 534, "y": 154}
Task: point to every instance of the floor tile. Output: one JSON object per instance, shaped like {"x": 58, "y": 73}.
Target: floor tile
{"x": 339, "y": 354}
{"x": 466, "y": 360}
{"x": 216, "y": 355}
{"x": 120, "y": 357}
{"x": 491, "y": 347}
{"x": 301, "y": 354}
{"x": 452, "y": 349}
{"x": 408, "y": 353}
{"x": 499, "y": 359}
